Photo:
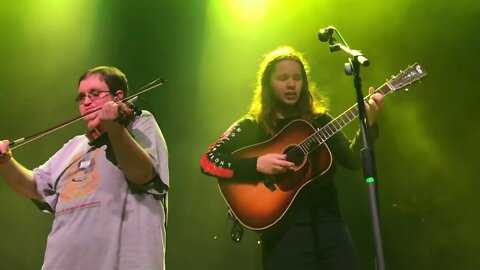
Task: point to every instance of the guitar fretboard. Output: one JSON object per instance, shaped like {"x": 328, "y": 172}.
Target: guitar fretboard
{"x": 334, "y": 126}
{"x": 410, "y": 75}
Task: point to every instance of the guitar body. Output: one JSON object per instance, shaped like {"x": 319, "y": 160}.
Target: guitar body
{"x": 261, "y": 205}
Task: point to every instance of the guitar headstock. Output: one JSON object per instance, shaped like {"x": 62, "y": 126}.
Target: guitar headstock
{"x": 406, "y": 77}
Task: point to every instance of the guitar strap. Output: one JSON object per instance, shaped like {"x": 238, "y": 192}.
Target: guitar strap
{"x": 236, "y": 233}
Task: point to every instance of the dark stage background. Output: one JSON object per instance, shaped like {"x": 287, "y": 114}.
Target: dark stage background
{"x": 209, "y": 51}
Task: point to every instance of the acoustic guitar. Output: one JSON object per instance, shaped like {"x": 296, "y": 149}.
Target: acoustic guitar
{"x": 261, "y": 206}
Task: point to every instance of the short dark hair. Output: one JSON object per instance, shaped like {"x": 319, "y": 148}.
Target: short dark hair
{"x": 113, "y": 77}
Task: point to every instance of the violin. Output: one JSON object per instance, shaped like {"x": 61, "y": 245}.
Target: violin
{"x": 98, "y": 136}
{"x": 127, "y": 111}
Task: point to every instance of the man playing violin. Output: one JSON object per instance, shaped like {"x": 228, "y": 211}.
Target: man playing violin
{"x": 107, "y": 196}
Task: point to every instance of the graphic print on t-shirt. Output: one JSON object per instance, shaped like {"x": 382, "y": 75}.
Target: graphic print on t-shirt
{"x": 81, "y": 179}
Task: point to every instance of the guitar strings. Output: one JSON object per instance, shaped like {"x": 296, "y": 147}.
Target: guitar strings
{"x": 413, "y": 73}
{"x": 319, "y": 140}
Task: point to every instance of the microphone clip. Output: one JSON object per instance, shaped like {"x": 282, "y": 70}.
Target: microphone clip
{"x": 326, "y": 34}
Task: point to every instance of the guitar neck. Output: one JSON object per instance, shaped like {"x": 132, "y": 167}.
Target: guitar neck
{"x": 337, "y": 124}
{"x": 412, "y": 74}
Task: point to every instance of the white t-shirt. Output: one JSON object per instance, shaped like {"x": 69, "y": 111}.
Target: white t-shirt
{"x": 101, "y": 220}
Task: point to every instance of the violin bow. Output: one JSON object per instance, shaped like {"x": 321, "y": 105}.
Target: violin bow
{"x": 22, "y": 141}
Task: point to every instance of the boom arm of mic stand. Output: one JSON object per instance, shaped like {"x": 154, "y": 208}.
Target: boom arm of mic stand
{"x": 354, "y": 53}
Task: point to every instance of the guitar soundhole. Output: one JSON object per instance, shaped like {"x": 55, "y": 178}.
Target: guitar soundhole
{"x": 295, "y": 155}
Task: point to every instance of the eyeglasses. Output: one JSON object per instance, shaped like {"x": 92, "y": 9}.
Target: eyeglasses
{"x": 92, "y": 95}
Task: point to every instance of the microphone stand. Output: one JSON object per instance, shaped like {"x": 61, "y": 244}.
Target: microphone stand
{"x": 352, "y": 67}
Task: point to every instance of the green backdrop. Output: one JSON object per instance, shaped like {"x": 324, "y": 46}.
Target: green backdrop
{"x": 209, "y": 51}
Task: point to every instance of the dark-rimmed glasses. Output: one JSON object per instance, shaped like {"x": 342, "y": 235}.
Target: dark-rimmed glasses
{"x": 92, "y": 95}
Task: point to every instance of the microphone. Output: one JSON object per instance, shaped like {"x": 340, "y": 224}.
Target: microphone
{"x": 325, "y": 34}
